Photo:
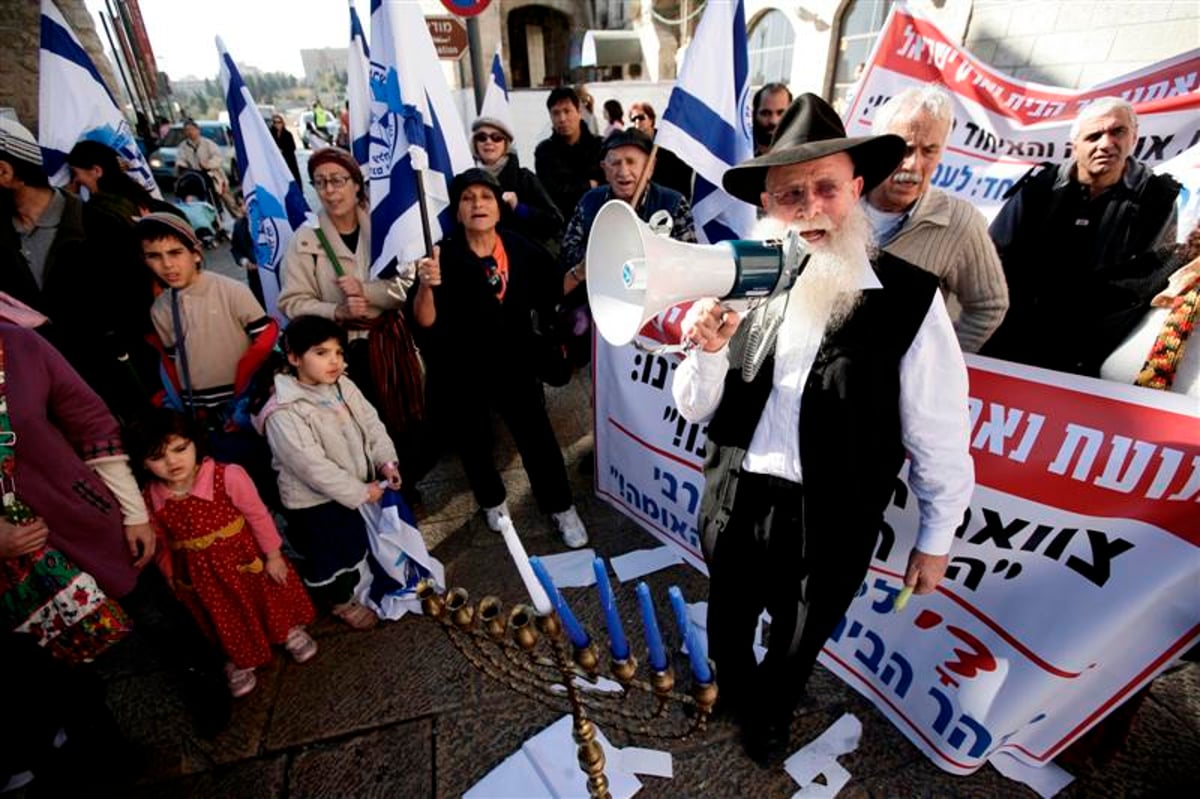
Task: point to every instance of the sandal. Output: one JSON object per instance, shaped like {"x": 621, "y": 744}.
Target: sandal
{"x": 300, "y": 645}
{"x": 356, "y": 615}
{"x": 241, "y": 681}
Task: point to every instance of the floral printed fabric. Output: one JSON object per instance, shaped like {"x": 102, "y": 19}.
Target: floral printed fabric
{"x": 48, "y": 596}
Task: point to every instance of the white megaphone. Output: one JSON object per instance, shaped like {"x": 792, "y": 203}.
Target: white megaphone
{"x": 634, "y": 274}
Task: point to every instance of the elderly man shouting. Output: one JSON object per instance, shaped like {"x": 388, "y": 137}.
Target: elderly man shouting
{"x": 931, "y": 229}
{"x": 811, "y": 404}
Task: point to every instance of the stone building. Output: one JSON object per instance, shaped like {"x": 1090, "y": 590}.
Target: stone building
{"x": 19, "y": 56}
{"x": 817, "y": 45}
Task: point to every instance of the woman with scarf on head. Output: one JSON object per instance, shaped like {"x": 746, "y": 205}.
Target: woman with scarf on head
{"x": 526, "y": 206}
{"x": 474, "y": 304}
{"x": 326, "y": 272}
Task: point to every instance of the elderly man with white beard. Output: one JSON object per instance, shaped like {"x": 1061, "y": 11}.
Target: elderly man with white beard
{"x": 931, "y": 229}
{"x": 812, "y": 402}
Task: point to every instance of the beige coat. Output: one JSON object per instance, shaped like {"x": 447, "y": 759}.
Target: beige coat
{"x": 310, "y": 281}
{"x": 948, "y": 237}
{"x": 327, "y": 442}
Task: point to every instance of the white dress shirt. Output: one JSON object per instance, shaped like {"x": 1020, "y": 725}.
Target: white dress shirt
{"x": 934, "y": 420}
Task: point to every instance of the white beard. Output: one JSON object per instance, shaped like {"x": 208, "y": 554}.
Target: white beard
{"x": 829, "y": 288}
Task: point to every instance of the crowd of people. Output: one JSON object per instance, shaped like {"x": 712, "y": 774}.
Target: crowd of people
{"x": 154, "y": 418}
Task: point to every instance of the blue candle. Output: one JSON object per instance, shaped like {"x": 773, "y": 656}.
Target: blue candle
{"x": 575, "y": 632}
{"x": 696, "y": 654}
{"x": 681, "y": 614}
{"x": 657, "y": 656}
{"x": 616, "y": 634}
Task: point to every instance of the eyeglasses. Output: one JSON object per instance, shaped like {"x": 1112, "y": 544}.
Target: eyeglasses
{"x": 825, "y": 189}
{"x": 334, "y": 182}
{"x": 636, "y": 118}
{"x": 483, "y": 136}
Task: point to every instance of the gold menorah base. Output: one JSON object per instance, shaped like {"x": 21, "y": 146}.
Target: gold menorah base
{"x": 530, "y": 654}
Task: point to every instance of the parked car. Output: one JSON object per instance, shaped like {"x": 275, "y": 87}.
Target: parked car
{"x": 162, "y": 160}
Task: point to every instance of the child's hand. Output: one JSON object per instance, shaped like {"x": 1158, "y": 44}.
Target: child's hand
{"x": 374, "y": 492}
{"x": 391, "y": 473}
{"x": 277, "y": 568}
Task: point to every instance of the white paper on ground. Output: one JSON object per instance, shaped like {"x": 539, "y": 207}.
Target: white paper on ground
{"x": 602, "y": 684}
{"x": 836, "y": 778}
{"x": 820, "y": 757}
{"x": 545, "y": 767}
{"x": 571, "y": 569}
{"x": 1046, "y": 781}
{"x": 760, "y": 637}
{"x": 633, "y": 565}
{"x": 648, "y": 762}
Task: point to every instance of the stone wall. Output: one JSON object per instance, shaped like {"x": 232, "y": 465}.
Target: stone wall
{"x": 1078, "y": 43}
{"x": 19, "y": 55}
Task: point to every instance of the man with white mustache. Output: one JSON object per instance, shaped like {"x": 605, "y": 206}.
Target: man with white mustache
{"x": 811, "y": 403}
{"x": 927, "y": 227}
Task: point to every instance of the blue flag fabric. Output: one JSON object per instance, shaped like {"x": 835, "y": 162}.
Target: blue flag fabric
{"x": 274, "y": 201}
{"x": 707, "y": 121}
{"x": 415, "y": 128}
{"x": 74, "y": 104}
{"x": 358, "y": 88}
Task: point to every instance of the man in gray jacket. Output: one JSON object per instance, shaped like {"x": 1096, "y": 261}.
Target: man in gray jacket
{"x": 931, "y": 229}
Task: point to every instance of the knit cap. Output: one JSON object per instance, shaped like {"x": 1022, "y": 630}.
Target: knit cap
{"x": 492, "y": 122}
{"x": 18, "y": 143}
{"x": 168, "y": 223}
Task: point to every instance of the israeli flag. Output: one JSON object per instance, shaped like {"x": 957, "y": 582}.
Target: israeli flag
{"x": 415, "y": 128}
{"x": 495, "y": 99}
{"x": 358, "y": 88}
{"x": 274, "y": 201}
{"x": 707, "y": 121}
{"x": 74, "y": 104}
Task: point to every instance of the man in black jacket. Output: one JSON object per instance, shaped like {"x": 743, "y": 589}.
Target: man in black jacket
{"x": 1079, "y": 247}
{"x": 811, "y": 409}
{"x": 567, "y": 163}
{"x": 46, "y": 263}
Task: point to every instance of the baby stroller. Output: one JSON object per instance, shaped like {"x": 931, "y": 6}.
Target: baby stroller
{"x": 194, "y": 191}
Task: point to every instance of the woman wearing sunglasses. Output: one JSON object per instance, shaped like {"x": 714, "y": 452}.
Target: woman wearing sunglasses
{"x": 474, "y": 305}
{"x": 526, "y": 207}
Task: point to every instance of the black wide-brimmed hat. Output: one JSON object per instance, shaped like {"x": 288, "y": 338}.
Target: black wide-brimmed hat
{"x": 811, "y": 129}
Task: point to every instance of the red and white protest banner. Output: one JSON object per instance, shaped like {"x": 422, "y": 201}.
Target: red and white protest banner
{"x": 1075, "y": 578}
{"x": 1003, "y": 126}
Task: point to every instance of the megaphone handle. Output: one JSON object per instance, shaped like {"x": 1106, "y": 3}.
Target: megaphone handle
{"x": 666, "y": 349}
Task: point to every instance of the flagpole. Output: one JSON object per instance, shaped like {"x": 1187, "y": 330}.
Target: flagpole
{"x": 419, "y": 174}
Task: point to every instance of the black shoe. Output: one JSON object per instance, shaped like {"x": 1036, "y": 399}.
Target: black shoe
{"x": 767, "y": 743}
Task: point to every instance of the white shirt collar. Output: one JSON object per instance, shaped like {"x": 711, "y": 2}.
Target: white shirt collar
{"x": 867, "y": 278}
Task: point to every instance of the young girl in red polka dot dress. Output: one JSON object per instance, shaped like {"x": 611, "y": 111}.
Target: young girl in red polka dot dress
{"x": 222, "y": 553}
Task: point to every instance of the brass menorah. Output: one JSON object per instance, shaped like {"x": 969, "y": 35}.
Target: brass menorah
{"x": 530, "y": 653}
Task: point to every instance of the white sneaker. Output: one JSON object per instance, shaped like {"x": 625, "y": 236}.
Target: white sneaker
{"x": 494, "y": 514}
{"x": 570, "y": 526}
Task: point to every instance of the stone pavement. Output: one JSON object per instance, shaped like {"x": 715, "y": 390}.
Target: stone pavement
{"x": 398, "y": 712}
